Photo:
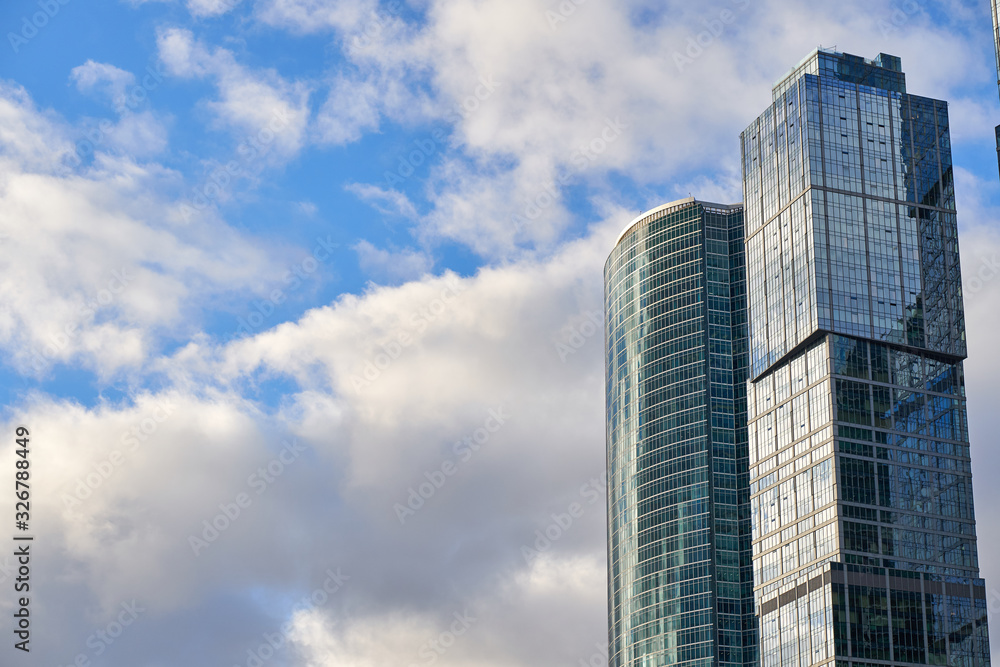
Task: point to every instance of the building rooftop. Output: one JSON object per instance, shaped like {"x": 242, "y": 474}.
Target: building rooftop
{"x": 883, "y": 71}
{"x": 679, "y": 203}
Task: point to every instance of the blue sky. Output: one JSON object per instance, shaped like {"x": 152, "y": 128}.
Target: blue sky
{"x": 362, "y": 226}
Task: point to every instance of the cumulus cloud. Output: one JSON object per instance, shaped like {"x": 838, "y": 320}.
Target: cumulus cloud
{"x": 387, "y": 201}
{"x": 251, "y": 103}
{"x": 102, "y": 78}
{"x": 393, "y": 386}
{"x": 102, "y": 269}
{"x": 140, "y": 135}
{"x": 306, "y": 16}
{"x": 482, "y": 634}
{"x": 137, "y": 133}
{"x": 349, "y": 111}
{"x": 211, "y": 8}
{"x": 396, "y": 266}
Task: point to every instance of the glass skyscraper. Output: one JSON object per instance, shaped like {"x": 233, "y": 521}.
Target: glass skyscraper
{"x": 680, "y": 588}
{"x": 996, "y": 47}
{"x": 864, "y": 535}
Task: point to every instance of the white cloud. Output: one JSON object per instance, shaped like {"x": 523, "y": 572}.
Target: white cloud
{"x": 139, "y": 135}
{"x": 308, "y": 16}
{"x": 381, "y": 640}
{"x": 205, "y": 8}
{"x": 95, "y": 268}
{"x": 349, "y": 111}
{"x": 107, "y": 502}
{"x": 30, "y": 137}
{"x": 387, "y": 201}
{"x": 396, "y": 266}
{"x": 971, "y": 121}
{"x": 107, "y": 80}
{"x": 447, "y": 321}
{"x": 366, "y": 443}
{"x": 252, "y": 103}
{"x": 493, "y": 632}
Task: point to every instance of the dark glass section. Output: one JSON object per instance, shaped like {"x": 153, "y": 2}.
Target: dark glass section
{"x": 869, "y": 622}
{"x": 739, "y": 610}
{"x": 907, "y": 627}
{"x": 861, "y": 537}
{"x": 841, "y": 620}
{"x": 857, "y": 481}
{"x": 853, "y": 402}
{"x": 935, "y": 610}
{"x": 850, "y": 357}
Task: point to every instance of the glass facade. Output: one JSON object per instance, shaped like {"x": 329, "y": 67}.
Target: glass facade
{"x": 996, "y": 46}
{"x": 864, "y": 540}
{"x": 680, "y": 586}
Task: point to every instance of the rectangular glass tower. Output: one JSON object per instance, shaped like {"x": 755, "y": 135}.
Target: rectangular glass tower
{"x": 680, "y": 588}
{"x": 864, "y": 538}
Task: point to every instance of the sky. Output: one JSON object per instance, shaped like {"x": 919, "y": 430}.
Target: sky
{"x": 298, "y": 303}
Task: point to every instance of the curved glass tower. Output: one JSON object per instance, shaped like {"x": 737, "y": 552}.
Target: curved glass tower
{"x": 679, "y": 547}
